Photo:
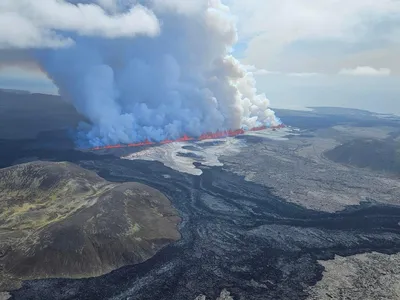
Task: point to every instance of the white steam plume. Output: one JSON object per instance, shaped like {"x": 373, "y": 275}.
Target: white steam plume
{"x": 40, "y": 23}
{"x": 173, "y": 76}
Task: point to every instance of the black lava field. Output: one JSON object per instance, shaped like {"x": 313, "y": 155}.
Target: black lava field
{"x": 235, "y": 235}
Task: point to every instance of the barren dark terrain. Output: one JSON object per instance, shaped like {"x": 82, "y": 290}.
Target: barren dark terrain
{"x": 380, "y": 155}
{"x": 237, "y": 234}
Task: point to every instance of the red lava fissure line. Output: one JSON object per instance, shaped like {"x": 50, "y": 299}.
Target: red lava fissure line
{"x": 185, "y": 138}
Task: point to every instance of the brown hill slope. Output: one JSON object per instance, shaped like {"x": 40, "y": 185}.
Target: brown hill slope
{"x": 59, "y": 220}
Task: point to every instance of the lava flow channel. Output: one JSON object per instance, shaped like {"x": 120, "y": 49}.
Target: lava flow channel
{"x": 185, "y": 138}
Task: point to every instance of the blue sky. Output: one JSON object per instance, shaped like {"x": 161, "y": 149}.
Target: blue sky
{"x": 304, "y": 53}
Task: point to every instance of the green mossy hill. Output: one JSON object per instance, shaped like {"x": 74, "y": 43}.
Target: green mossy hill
{"x": 59, "y": 220}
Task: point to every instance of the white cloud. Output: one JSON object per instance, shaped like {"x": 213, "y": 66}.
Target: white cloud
{"x": 262, "y": 72}
{"x": 180, "y": 6}
{"x": 32, "y": 24}
{"x": 366, "y": 71}
{"x": 109, "y": 5}
{"x": 259, "y": 72}
{"x": 250, "y": 68}
{"x": 291, "y": 20}
{"x": 272, "y": 26}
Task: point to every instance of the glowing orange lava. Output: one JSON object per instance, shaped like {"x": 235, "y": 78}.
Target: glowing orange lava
{"x": 185, "y": 138}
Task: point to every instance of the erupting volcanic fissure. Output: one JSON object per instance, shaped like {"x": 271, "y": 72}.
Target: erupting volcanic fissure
{"x": 185, "y": 138}
{"x": 145, "y": 69}
{"x": 158, "y": 82}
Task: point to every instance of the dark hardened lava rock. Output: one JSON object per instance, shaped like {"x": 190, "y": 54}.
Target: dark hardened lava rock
{"x": 190, "y": 155}
{"x": 211, "y": 143}
{"x": 251, "y": 139}
{"x": 235, "y": 235}
{"x": 191, "y": 148}
{"x": 379, "y": 155}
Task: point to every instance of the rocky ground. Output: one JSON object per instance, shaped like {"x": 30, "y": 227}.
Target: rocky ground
{"x": 4, "y": 296}
{"x": 368, "y": 276}
{"x": 236, "y": 235}
{"x": 255, "y": 239}
{"x": 59, "y": 220}
{"x": 225, "y": 295}
{"x": 298, "y": 171}
{"x": 296, "y": 164}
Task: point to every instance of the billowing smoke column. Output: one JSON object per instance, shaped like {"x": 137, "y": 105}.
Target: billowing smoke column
{"x": 172, "y": 77}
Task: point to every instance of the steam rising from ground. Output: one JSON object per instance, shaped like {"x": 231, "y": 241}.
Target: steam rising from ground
{"x": 172, "y": 76}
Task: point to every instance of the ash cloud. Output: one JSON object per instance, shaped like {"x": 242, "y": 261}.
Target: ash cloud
{"x": 151, "y": 69}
